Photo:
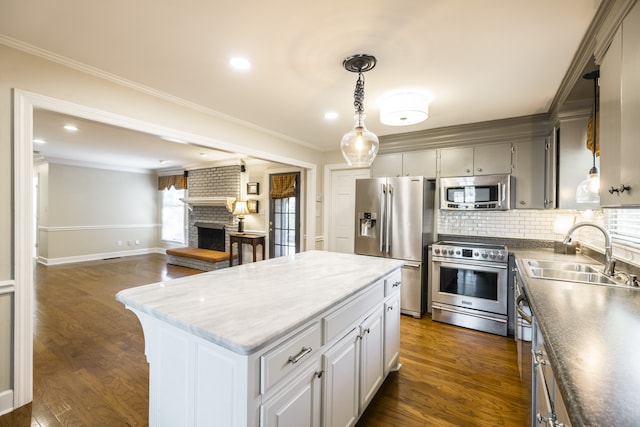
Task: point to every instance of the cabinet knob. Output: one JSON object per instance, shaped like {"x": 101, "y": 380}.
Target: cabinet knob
{"x": 522, "y": 202}
{"x": 479, "y": 169}
{"x": 468, "y": 170}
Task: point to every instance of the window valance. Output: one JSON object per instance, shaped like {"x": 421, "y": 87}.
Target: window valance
{"x": 283, "y": 186}
{"x": 179, "y": 182}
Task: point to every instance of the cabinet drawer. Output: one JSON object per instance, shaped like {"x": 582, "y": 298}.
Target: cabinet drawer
{"x": 346, "y": 317}
{"x": 392, "y": 282}
{"x": 286, "y": 357}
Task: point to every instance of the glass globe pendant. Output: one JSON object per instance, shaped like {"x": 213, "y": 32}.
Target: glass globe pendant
{"x": 359, "y": 146}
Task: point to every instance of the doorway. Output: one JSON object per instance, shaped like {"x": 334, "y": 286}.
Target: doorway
{"x": 284, "y": 214}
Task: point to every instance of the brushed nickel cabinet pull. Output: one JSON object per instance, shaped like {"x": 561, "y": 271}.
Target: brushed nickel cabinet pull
{"x": 303, "y": 352}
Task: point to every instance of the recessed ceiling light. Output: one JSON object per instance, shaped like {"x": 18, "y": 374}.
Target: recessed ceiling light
{"x": 203, "y": 154}
{"x": 164, "y": 162}
{"x": 240, "y": 63}
{"x": 39, "y": 141}
{"x": 71, "y": 128}
{"x": 331, "y": 115}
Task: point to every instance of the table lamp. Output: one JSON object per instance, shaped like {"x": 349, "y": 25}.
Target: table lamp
{"x": 240, "y": 210}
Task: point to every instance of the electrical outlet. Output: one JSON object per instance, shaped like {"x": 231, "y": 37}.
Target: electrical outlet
{"x": 137, "y": 242}
{"x": 119, "y": 242}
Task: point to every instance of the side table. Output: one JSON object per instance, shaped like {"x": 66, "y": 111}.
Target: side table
{"x": 248, "y": 239}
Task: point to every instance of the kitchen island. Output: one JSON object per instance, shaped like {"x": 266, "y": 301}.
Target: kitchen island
{"x": 592, "y": 337}
{"x": 250, "y": 345}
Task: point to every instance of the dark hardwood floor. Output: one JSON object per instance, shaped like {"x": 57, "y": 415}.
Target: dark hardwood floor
{"x": 90, "y": 368}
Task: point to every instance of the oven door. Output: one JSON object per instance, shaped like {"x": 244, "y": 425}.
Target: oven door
{"x": 472, "y": 285}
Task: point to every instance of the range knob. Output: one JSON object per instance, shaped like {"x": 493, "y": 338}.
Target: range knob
{"x": 484, "y": 254}
{"x": 458, "y": 252}
{"x": 476, "y": 254}
{"x": 450, "y": 251}
{"x": 492, "y": 255}
{"x": 436, "y": 250}
{"x": 500, "y": 255}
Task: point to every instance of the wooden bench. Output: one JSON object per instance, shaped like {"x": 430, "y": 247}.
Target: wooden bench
{"x": 200, "y": 259}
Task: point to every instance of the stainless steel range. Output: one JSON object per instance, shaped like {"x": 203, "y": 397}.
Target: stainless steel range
{"x": 469, "y": 285}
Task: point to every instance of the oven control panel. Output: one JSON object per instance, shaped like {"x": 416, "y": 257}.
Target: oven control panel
{"x": 476, "y": 252}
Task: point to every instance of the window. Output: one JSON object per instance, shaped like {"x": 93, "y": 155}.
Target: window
{"x": 624, "y": 225}
{"x": 173, "y": 215}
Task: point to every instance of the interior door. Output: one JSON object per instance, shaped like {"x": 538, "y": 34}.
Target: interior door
{"x": 341, "y": 225}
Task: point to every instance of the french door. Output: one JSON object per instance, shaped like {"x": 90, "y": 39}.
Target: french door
{"x": 284, "y": 214}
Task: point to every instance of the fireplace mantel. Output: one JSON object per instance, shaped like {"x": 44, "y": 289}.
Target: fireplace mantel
{"x": 210, "y": 201}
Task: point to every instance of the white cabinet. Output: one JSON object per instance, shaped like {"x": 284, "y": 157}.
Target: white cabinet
{"x": 487, "y": 159}
{"x": 414, "y": 163}
{"x": 619, "y": 112}
{"x": 529, "y": 173}
{"x": 298, "y": 405}
{"x": 354, "y": 371}
{"x": 341, "y": 381}
{"x": 371, "y": 357}
{"x": 391, "y": 333}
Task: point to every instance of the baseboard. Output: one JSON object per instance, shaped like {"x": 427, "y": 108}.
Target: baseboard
{"x": 97, "y": 257}
{"x": 6, "y": 402}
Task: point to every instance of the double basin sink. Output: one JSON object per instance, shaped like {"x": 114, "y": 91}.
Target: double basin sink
{"x": 570, "y": 272}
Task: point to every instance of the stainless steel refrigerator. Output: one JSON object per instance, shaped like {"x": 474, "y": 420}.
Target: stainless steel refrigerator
{"x": 394, "y": 219}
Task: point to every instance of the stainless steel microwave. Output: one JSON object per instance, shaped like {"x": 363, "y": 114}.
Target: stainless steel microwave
{"x": 485, "y": 192}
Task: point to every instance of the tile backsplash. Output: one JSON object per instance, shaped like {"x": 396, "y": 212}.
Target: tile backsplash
{"x": 515, "y": 224}
{"x": 550, "y": 225}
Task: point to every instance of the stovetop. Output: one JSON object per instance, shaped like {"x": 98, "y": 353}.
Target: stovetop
{"x": 471, "y": 251}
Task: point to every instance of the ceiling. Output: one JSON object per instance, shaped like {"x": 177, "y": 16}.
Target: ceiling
{"x": 478, "y": 61}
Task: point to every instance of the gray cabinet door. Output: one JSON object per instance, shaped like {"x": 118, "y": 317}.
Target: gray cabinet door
{"x": 529, "y": 173}
{"x": 456, "y": 161}
{"x": 387, "y": 165}
{"x": 420, "y": 163}
{"x": 492, "y": 159}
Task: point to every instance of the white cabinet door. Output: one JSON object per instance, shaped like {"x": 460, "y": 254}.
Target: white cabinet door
{"x": 298, "y": 404}
{"x": 341, "y": 381}
{"x": 420, "y": 163}
{"x": 492, "y": 159}
{"x": 386, "y": 165}
{"x": 371, "y": 356}
{"x": 391, "y": 332}
{"x": 529, "y": 173}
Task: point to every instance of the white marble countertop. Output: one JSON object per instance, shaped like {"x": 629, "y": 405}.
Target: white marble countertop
{"x": 246, "y": 307}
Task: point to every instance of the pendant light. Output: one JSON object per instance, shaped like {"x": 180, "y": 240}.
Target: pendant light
{"x": 588, "y": 190}
{"x": 360, "y": 145}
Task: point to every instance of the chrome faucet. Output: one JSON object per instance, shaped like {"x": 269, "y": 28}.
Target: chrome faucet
{"x": 609, "y": 261}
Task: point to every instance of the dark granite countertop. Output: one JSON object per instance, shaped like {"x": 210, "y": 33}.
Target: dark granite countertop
{"x": 592, "y": 334}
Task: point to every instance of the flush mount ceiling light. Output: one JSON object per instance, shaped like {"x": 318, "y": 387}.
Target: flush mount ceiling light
{"x": 404, "y": 109}
{"x": 360, "y": 145}
{"x": 588, "y": 190}
{"x": 70, "y": 128}
{"x": 240, "y": 63}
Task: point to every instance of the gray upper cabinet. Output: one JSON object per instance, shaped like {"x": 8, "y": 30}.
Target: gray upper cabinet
{"x": 413, "y": 163}
{"x": 619, "y": 116}
{"x": 420, "y": 163}
{"x": 487, "y": 159}
{"x": 386, "y": 165}
{"x": 529, "y": 173}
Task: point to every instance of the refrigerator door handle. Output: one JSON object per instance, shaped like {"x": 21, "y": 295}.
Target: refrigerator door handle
{"x": 389, "y": 218}
{"x": 383, "y": 190}
{"x": 412, "y": 265}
